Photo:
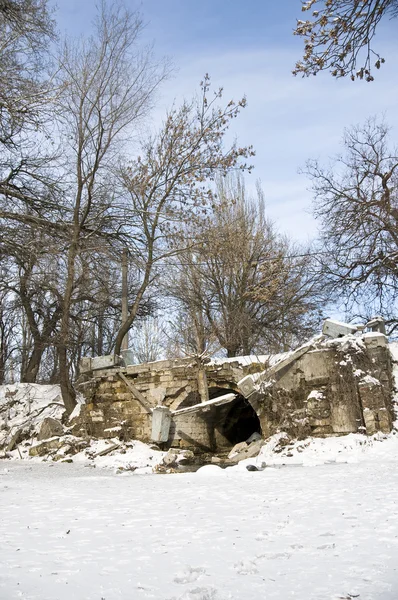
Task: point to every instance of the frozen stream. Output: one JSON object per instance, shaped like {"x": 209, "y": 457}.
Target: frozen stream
{"x": 69, "y": 532}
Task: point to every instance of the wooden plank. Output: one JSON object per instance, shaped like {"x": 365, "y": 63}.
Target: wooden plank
{"x": 136, "y": 393}
{"x": 107, "y": 450}
{"x": 14, "y": 441}
{"x": 206, "y": 405}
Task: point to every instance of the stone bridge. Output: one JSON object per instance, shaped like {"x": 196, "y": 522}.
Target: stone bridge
{"x": 120, "y": 400}
{"x": 331, "y": 387}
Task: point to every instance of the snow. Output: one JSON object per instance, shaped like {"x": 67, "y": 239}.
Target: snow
{"x": 316, "y": 395}
{"x": 349, "y": 342}
{"x": 318, "y": 521}
{"x": 351, "y": 448}
{"x": 242, "y": 360}
{"x": 248, "y": 360}
{"x": 25, "y": 405}
{"x": 373, "y": 335}
{"x": 211, "y": 470}
{"x": 313, "y": 534}
{"x": 76, "y": 411}
{"x": 137, "y": 457}
{"x": 369, "y": 379}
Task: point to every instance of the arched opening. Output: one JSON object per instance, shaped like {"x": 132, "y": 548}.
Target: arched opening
{"x": 234, "y": 422}
{"x": 191, "y": 399}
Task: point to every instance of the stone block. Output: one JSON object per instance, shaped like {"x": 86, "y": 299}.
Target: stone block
{"x": 370, "y": 421}
{"x": 104, "y": 362}
{"x": 160, "y": 365}
{"x": 157, "y": 395}
{"x": 314, "y": 367}
{"x": 46, "y": 447}
{"x": 104, "y": 397}
{"x": 250, "y": 451}
{"x": 319, "y": 422}
{"x": 375, "y": 340}
{"x": 96, "y": 416}
{"x": 170, "y": 458}
{"x": 50, "y": 428}
{"x": 384, "y": 420}
{"x": 237, "y": 448}
{"x": 375, "y": 413}
{"x": 122, "y": 397}
{"x": 137, "y": 369}
{"x": 335, "y": 329}
{"x": 317, "y": 406}
{"x": 343, "y": 419}
{"x": 247, "y": 386}
{"x": 371, "y": 394}
{"x": 85, "y": 364}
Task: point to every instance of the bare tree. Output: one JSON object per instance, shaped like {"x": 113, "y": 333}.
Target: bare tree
{"x": 109, "y": 82}
{"x": 356, "y": 201}
{"x": 242, "y": 284}
{"x": 167, "y": 184}
{"x": 339, "y": 37}
{"x": 148, "y": 341}
{"x": 26, "y": 28}
{"x": 9, "y": 329}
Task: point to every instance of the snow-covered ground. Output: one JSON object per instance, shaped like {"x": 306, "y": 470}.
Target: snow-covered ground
{"x": 320, "y": 522}
{"x": 324, "y": 533}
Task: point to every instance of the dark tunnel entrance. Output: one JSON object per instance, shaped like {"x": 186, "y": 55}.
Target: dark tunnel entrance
{"x": 234, "y": 422}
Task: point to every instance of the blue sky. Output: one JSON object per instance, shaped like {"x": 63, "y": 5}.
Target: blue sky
{"x": 248, "y": 48}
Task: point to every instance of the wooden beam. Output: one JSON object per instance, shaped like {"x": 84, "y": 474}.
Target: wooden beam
{"x": 14, "y": 441}
{"x": 136, "y": 393}
{"x": 107, "y": 450}
{"x": 206, "y": 405}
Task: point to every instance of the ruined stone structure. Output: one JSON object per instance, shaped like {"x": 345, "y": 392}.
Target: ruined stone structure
{"x": 120, "y": 400}
{"x": 342, "y": 386}
{"x": 331, "y": 387}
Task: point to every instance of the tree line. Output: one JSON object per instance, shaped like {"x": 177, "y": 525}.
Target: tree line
{"x": 85, "y": 180}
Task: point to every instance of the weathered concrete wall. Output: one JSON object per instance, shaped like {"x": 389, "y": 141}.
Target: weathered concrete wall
{"x": 340, "y": 387}
{"x": 343, "y": 387}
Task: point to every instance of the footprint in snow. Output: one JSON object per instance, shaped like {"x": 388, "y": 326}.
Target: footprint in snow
{"x": 189, "y": 575}
{"x": 203, "y": 593}
{"x": 260, "y": 537}
{"x": 275, "y": 555}
{"x": 246, "y": 567}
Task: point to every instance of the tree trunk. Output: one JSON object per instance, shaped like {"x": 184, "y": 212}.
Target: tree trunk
{"x": 2, "y": 368}
{"x": 54, "y": 377}
{"x": 231, "y": 351}
{"x": 67, "y": 390}
{"x": 125, "y": 327}
{"x": 29, "y": 374}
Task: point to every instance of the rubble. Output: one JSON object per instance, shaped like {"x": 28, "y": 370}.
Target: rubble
{"x": 50, "y": 428}
{"x": 326, "y": 387}
{"x": 46, "y": 447}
